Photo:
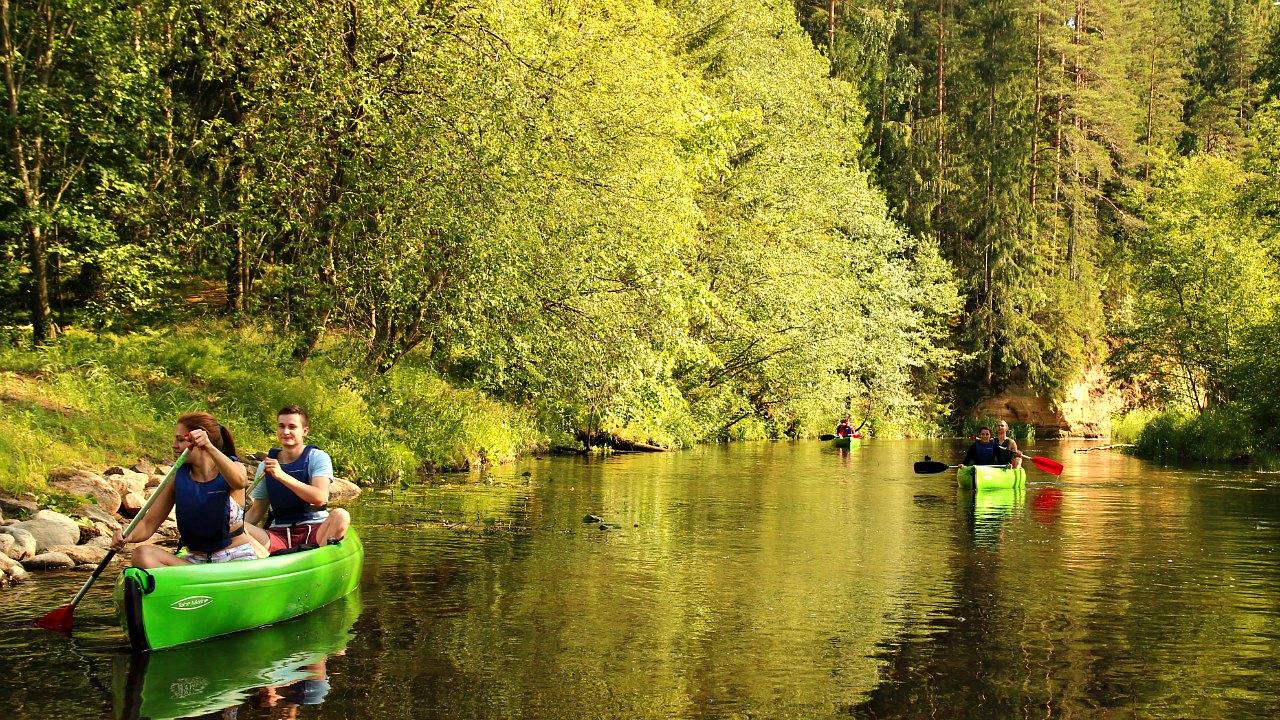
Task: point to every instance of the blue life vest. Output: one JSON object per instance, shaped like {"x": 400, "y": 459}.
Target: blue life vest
{"x": 203, "y": 509}
{"x": 286, "y": 507}
{"x": 984, "y": 453}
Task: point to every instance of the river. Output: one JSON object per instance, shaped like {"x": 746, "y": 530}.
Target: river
{"x": 766, "y": 580}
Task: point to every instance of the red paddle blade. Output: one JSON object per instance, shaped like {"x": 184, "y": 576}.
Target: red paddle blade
{"x": 60, "y": 620}
{"x": 1053, "y": 467}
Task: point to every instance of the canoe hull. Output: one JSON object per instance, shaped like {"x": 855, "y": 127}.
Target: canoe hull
{"x": 990, "y": 477}
{"x": 171, "y": 606}
{"x": 845, "y": 443}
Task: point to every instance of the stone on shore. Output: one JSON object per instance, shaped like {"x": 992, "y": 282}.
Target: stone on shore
{"x": 143, "y": 466}
{"x": 97, "y": 515}
{"x": 87, "y": 484}
{"x": 81, "y": 554}
{"x": 51, "y": 528}
{"x": 7, "y": 544}
{"x": 24, "y": 542}
{"x": 11, "y": 571}
{"x": 50, "y": 561}
{"x": 130, "y": 504}
{"x": 102, "y": 541}
{"x": 19, "y": 505}
{"x": 341, "y": 490}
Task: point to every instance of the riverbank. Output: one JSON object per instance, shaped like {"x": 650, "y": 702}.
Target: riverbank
{"x": 1223, "y": 434}
{"x": 104, "y": 399}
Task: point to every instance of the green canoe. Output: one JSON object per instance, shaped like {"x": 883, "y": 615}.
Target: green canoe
{"x": 171, "y": 606}
{"x": 224, "y": 672}
{"x": 845, "y": 443}
{"x": 990, "y": 477}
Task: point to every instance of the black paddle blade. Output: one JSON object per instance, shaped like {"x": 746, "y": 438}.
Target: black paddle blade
{"x": 827, "y": 436}
{"x": 929, "y": 467}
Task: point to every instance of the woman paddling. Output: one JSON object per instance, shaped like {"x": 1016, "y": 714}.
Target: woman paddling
{"x": 208, "y": 492}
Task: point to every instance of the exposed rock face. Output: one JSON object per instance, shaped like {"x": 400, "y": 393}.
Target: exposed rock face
{"x": 49, "y": 529}
{"x": 1085, "y": 410}
{"x": 7, "y": 544}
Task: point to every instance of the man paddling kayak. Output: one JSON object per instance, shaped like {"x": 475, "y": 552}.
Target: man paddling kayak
{"x": 295, "y": 487}
{"x": 208, "y": 494}
{"x": 1008, "y": 444}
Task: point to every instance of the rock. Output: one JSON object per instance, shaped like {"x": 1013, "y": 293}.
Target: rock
{"x": 7, "y": 544}
{"x": 8, "y": 522}
{"x": 11, "y": 571}
{"x": 1086, "y": 408}
{"x": 102, "y": 541}
{"x": 586, "y": 519}
{"x": 88, "y": 530}
{"x": 131, "y": 504}
{"x": 50, "y": 528}
{"x": 50, "y": 561}
{"x": 87, "y": 484}
{"x": 24, "y": 542}
{"x": 21, "y": 506}
{"x": 163, "y": 470}
{"x": 152, "y": 481}
{"x": 342, "y": 490}
{"x": 144, "y": 467}
{"x": 97, "y": 515}
{"x": 113, "y": 470}
{"x": 81, "y": 554}
{"x": 104, "y": 531}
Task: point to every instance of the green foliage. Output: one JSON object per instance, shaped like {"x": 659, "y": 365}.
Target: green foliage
{"x": 1221, "y": 434}
{"x": 969, "y": 427}
{"x": 107, "y": 398}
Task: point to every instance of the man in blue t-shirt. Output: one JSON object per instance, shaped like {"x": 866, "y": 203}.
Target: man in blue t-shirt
{"x": 295, "y": 485}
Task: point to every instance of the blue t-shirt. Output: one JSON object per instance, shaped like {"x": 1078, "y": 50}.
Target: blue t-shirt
{"x": 319, "y": 464}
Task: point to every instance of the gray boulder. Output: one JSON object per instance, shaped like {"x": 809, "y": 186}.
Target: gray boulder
{"x": 19, "y": 505}
{"x": 97, "y": 515}
{"x": 130, "y": 504}
{"x": 7, "y": 544}
{"x": 24, "y": 542}
{"x": 102, "y": 541}
{"x": 341, "y": 490}
{"x": 81, "y": 554}
{"x": 50, "y": 561}
{"x": 51, "y": 528}
{"x": 143, "y": 466}
{"x": 11, "y": 571}
{"x": 86, "y": 484}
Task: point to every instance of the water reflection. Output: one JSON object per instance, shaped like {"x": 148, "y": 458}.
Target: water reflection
{"x": 986, "y": 510}
{"x": 280, "y": 668}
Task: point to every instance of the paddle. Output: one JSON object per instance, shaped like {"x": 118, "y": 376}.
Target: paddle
{"x": 826, "y": 436}
{"x": 929, "y": 467}
{"x": 62, "y": 619}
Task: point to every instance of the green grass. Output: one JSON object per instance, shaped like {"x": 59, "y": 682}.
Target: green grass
{"x": 102, "y": 398}
{"x": 1222, "y": 434}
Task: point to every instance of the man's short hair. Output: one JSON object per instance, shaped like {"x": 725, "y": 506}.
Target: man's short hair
{"x": 984, "y": 427}
{"x": 295, "y": 410}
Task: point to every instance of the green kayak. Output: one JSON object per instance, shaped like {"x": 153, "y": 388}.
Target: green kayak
{"x": 224, "y": 672}
{"x": 990, "y": 477}
{"x": 845, "y": 443}
{"x": 171, "y": 606}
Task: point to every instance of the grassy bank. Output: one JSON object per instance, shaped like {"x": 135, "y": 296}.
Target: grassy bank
{"x": 1221, "y": 434}
{"x": 101, "y": 399}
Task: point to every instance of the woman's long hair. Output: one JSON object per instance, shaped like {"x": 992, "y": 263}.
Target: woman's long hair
{"x": 218, "y": 435}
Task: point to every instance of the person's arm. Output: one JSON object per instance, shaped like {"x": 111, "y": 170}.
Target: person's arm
{"x": 231, "y": 470}
{"x": 316, "y": 493}
{"x": 150, "y": 522}
{"x": 257, "y": 511}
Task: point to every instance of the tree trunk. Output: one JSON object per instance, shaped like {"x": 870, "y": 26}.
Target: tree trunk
{"x": 831, "y": 35}
{"x": 1035, "y": 120}
{"x": 940, "y": 93}
{"x": 1151, "y": 101}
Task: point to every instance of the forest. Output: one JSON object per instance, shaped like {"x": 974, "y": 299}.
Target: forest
{"x": 652, "y": 221}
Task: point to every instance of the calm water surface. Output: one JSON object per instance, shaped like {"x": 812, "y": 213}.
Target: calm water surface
{"x": 772, "y": 580}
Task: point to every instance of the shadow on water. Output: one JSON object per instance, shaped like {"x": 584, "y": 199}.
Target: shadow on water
{"x": 285, "y": 666}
